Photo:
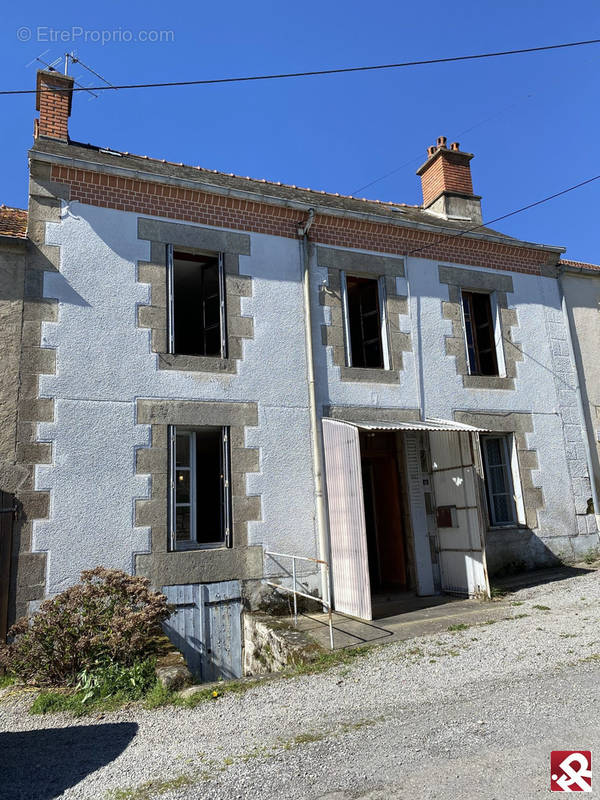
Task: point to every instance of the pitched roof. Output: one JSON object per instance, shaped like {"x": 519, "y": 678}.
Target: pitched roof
{"x": 580, "y": 265}
{"x": 81, "y": 154}
{"x": 13, "y": 222}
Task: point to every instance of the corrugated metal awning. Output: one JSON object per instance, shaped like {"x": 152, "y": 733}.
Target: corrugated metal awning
{"x": 419, "y": 425}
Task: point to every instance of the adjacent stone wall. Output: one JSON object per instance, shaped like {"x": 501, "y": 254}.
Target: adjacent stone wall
{"x": 154, "y": 316}
{"x": 203, "y": 565}
{"x": 391, "y": 268}
{"x": 29, "y": 568}
{"x": 467, "y": 279}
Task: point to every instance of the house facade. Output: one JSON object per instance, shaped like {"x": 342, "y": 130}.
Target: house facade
{"x": 215, "y": 369}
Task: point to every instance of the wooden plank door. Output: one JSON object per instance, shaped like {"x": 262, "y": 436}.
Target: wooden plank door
{"x": 349, "y": 555}
{"x": 462, "y": 549}
{"x": 206, "y": 628}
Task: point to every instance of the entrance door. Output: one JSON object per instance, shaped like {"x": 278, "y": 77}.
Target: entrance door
{"x": 462, "y": 551}
{"x": 349, "y": 556}
{"x": 383, "y": 512}
{"x": 7, "y": 515}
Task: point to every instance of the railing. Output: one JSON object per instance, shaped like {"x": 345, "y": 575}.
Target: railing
{"x": 325, "y": 602}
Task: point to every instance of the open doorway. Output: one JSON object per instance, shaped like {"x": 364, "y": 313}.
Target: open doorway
{"x": 386, "y": 537}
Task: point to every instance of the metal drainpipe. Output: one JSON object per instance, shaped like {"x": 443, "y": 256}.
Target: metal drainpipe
{"x": 586, "y": 437}
{"x": 315, "y": 429}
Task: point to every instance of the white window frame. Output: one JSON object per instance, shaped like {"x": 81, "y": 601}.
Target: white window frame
{"x": 192, "y": 543}
{"x": 510, "y": 464}
{"x": 171, "y": 301}
{"x": 497, "y": 323}
{"x": 382, "y": 295}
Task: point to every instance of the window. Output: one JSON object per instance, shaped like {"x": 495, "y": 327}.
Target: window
{"x": 196, "y": 304}
{"x": 500, "y": 486}
{"x": 200, "y": 503}
{"x": 479, "y": 333}
{"x": 363, "y": 321}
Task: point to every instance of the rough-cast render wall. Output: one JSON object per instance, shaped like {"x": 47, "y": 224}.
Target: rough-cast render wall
{"x": 104, "y": 363}
{"x": 582, "y": 294}
{"x": 536, "y": 385}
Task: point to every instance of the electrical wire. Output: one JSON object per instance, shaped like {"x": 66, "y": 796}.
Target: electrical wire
{"x": 313, "y": 73}
{"x": 510, "y": 213}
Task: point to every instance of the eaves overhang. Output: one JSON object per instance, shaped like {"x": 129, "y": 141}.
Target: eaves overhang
{"x": 130, "y": 170}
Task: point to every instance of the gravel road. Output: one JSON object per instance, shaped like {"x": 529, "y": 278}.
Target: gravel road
{"x": 469, "y": 714}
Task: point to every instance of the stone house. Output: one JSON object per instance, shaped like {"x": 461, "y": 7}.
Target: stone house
{"x": 215, "y": 368}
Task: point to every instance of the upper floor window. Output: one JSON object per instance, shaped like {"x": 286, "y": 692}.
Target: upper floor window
{"x": 480, "y": 333}
{"x": 196, "y": 304}
{"x": 364, "y": 322}
{"x": 200, "y": 498}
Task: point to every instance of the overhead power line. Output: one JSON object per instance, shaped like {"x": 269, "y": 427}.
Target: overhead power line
{"x": 313, "y": 73}
{"x": 510, "y": 213}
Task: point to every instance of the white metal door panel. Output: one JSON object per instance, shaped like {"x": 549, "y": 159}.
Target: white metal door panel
{"x": 418, "y": 515}
{"x": 462, "y": 550}
{"x": 349, "y": 556}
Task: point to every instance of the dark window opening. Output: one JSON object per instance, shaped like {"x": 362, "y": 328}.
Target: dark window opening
{"x": 364, "y": 322}
{"x": 200, "y": 495}
{"x": 498, "y": 479}
{"x": 479, "y": 333}
{"x": 196, "y": 305}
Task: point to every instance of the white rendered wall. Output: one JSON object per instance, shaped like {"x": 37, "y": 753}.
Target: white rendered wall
{"x": 104, "y": 363}
{"x": 544, "y": 385}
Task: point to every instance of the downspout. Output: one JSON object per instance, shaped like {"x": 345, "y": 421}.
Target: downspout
{"x": 315, "y": 428}
{"x": 580, "y": 406}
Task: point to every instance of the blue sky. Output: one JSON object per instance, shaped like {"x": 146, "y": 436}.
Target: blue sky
{"x": 530, "y": 120}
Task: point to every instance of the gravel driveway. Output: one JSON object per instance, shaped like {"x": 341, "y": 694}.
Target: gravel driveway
{"x": 469, "y": 714}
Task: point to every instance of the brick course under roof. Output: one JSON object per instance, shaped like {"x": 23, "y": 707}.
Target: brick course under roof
{"x": 13, "y": 222}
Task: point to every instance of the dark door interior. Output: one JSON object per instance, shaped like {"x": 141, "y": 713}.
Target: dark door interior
{"x": 383, "y": 513}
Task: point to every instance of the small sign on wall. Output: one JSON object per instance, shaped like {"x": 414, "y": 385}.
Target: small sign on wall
{"x": 446, "y": 517}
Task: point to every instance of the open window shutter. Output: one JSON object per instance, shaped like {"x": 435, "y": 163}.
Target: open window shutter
{"x": 171, "y": 499}
{"x": 462, "y": 551}
{"x": 226, "y": 488}
{"x": 223, "y": 310}
{"x": 349, "y": 557}
{"x": 170, "y": 301}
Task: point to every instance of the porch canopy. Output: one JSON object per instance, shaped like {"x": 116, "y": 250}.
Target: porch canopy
{"x": 460, "y": 546}
{"x": 419, "y": 425}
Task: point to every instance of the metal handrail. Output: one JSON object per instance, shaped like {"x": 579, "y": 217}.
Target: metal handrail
{"x": 326, "y": 603}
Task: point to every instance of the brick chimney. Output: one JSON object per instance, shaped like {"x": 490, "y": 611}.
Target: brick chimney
{"x": 54, "y": 93}
{"x": 446, "y": 183}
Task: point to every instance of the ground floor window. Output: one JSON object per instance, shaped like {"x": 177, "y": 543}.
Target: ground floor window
{"x": 199, "y": 512}
{"x": 501, "y": 483}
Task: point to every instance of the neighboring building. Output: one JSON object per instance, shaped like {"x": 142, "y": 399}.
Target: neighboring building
{"x": 178, "y": 415}
{"x": 13, "y": 479}
{"x": 581, "y": 289}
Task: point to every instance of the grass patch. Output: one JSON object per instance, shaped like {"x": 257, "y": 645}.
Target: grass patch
{"x": 517, "y": 603}
{"x": 592, "y": 556}
{"x": 148, "y": 790}
{"x": 541, "y": 608}
{"x": 7, "y": 680}
{"x": 56, "y": 702}
{"x": 460, "y": 626}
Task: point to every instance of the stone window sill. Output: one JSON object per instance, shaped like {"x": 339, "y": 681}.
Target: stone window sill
{"x": 186, "y": 363}
{"x": 366, "y": 375}
{"x": 488, "y": 382}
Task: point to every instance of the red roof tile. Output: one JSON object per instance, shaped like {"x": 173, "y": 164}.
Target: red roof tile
{"x": 13, "y": 222}
{"x": 577, "y": 264}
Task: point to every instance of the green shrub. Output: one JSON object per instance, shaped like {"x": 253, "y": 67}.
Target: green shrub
{"x": 107, "y": 621}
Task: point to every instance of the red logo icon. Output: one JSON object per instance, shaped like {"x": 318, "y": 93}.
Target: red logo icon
{"x": 571, "y": 771}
